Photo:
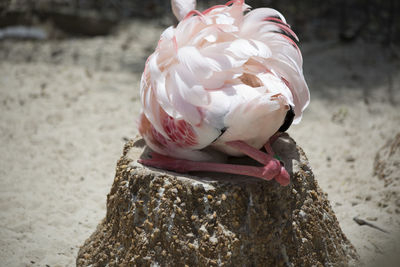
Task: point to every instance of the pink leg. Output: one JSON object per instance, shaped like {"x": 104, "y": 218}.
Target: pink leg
{"x": 272, "y": 168}
{"x": 251, "y": 151}
{"x": 268, "y": 148}
{"x": 273, "y": 138}
{"x": 266, "y": 172}
{"x": 283, "y": 176}
{"x": 268, "y": 145}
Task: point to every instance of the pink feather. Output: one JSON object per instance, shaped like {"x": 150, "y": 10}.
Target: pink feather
{"x": 220, "y": 69}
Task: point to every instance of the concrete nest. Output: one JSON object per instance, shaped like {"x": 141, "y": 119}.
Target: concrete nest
{"x": 160, "y": 218}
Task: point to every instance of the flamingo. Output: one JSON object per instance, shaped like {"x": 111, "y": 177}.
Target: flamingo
{"x": 222, "y": 82}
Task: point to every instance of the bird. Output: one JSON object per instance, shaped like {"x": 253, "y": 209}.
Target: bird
{"x": 222, "y": 82}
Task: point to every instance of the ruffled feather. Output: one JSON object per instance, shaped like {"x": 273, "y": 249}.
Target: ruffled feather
{"x": 220, "y": 69}
{"x": 181, "y": 7}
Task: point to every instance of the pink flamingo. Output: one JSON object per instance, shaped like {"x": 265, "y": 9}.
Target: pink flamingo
{"x": 224, "y": 81}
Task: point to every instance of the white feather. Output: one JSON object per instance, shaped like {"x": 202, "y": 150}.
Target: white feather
{"x": 222, "y": 69}
{"x": 181, "y": 8}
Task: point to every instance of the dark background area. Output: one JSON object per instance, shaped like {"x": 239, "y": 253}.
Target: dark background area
{"x": 375, "y": 21}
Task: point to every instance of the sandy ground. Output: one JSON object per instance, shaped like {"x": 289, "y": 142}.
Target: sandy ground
{"x": 66, "y": 107}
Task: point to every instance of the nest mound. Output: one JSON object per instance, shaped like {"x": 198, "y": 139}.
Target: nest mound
{"x": 158, "y": 218}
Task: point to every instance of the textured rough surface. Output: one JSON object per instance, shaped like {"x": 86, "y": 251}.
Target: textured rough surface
{"x": 164, "y": 219}
{"x": 387, "y": 168}
{"x": 387, "y": 162}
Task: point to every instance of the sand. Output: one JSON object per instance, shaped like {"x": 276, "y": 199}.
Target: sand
{"x": 67, "y": 105}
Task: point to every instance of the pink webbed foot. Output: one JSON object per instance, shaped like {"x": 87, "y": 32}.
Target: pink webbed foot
{"x": 272, "y": 168}
{"x": 282, "y": 176}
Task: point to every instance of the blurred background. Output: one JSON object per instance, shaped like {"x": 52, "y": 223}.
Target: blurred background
{"x": 369, "y": 20}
